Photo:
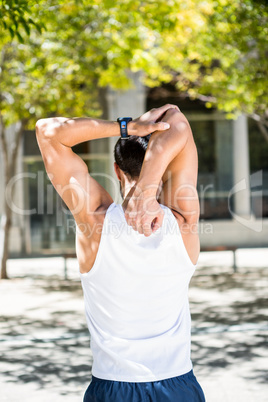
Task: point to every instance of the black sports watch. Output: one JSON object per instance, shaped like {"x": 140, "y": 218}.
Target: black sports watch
{"x": 123, "y": 122}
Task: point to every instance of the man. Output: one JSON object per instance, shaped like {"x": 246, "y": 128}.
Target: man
{"x": 135, "y": 259}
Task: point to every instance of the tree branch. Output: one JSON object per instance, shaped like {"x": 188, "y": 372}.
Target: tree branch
{"x": 17, "y": 141}
{"x": 262, "y": 124}
{"x": 263, "y": 130}
{"x": 4, "y": 146}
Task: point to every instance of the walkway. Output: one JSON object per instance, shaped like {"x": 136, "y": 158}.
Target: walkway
{"x": 45, "y": 352}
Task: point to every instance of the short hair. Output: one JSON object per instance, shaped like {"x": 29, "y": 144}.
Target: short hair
{"x": 129, "y": 154}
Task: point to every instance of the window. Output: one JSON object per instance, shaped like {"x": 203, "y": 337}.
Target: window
{"x": 213, "y": 138}
{"x": 258, "y": 155}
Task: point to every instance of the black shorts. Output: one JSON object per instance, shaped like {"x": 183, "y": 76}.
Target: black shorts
{"x": 184, "y": 388}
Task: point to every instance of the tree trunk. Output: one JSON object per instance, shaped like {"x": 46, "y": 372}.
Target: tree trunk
{"x": 5, "y": 229}
{"x": 9, "y": 165}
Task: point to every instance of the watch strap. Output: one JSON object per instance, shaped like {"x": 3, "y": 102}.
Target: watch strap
{"x": 123, "y": 122}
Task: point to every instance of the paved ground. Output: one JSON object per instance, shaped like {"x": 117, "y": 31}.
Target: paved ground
{"x": 44, "y": 344}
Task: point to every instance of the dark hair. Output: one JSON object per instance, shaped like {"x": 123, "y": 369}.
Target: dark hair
{"x": 129, "y": 154}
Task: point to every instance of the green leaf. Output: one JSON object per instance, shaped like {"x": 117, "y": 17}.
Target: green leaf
{"x": 26, "y": 27}
{"x": 11, "y": 31}
{"x": 19, "y": 37}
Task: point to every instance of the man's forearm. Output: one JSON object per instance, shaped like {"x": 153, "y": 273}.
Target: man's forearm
{"x": 161, "y": 150}
{"x": 70, "y": 132}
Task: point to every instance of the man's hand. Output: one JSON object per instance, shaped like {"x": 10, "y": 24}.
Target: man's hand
{"x": 143, "y": 212}
{"x": 149, "y": 122}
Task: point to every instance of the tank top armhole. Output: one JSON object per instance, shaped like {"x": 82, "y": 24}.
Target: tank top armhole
{"x": 99, "y": 252}
{"x": 185, "y": 252}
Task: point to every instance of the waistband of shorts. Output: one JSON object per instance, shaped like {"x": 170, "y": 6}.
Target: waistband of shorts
{"x": 179, "y": 377}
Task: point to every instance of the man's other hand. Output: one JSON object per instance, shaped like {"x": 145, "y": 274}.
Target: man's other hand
{"x": 150, "y": 122}
{"x": 143, "y": 212}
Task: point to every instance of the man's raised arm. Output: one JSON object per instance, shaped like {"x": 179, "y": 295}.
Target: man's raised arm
{"x": 171, "y": 157}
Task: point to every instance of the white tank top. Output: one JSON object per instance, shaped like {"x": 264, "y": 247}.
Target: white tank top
{"x": 136, "y": 301}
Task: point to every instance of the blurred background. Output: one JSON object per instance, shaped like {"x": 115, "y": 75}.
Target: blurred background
{"x": 109, "y": 59}
{"x": 105, "y": 59}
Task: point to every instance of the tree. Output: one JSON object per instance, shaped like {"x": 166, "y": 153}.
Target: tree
{"x": 214, "y": 50}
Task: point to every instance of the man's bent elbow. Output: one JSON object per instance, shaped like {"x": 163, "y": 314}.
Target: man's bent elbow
{"x": 41, "y": 127}
{"x": 174, "y": 116}
{"x": 177, "y": 120}
{"x": 45, "y": 128}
